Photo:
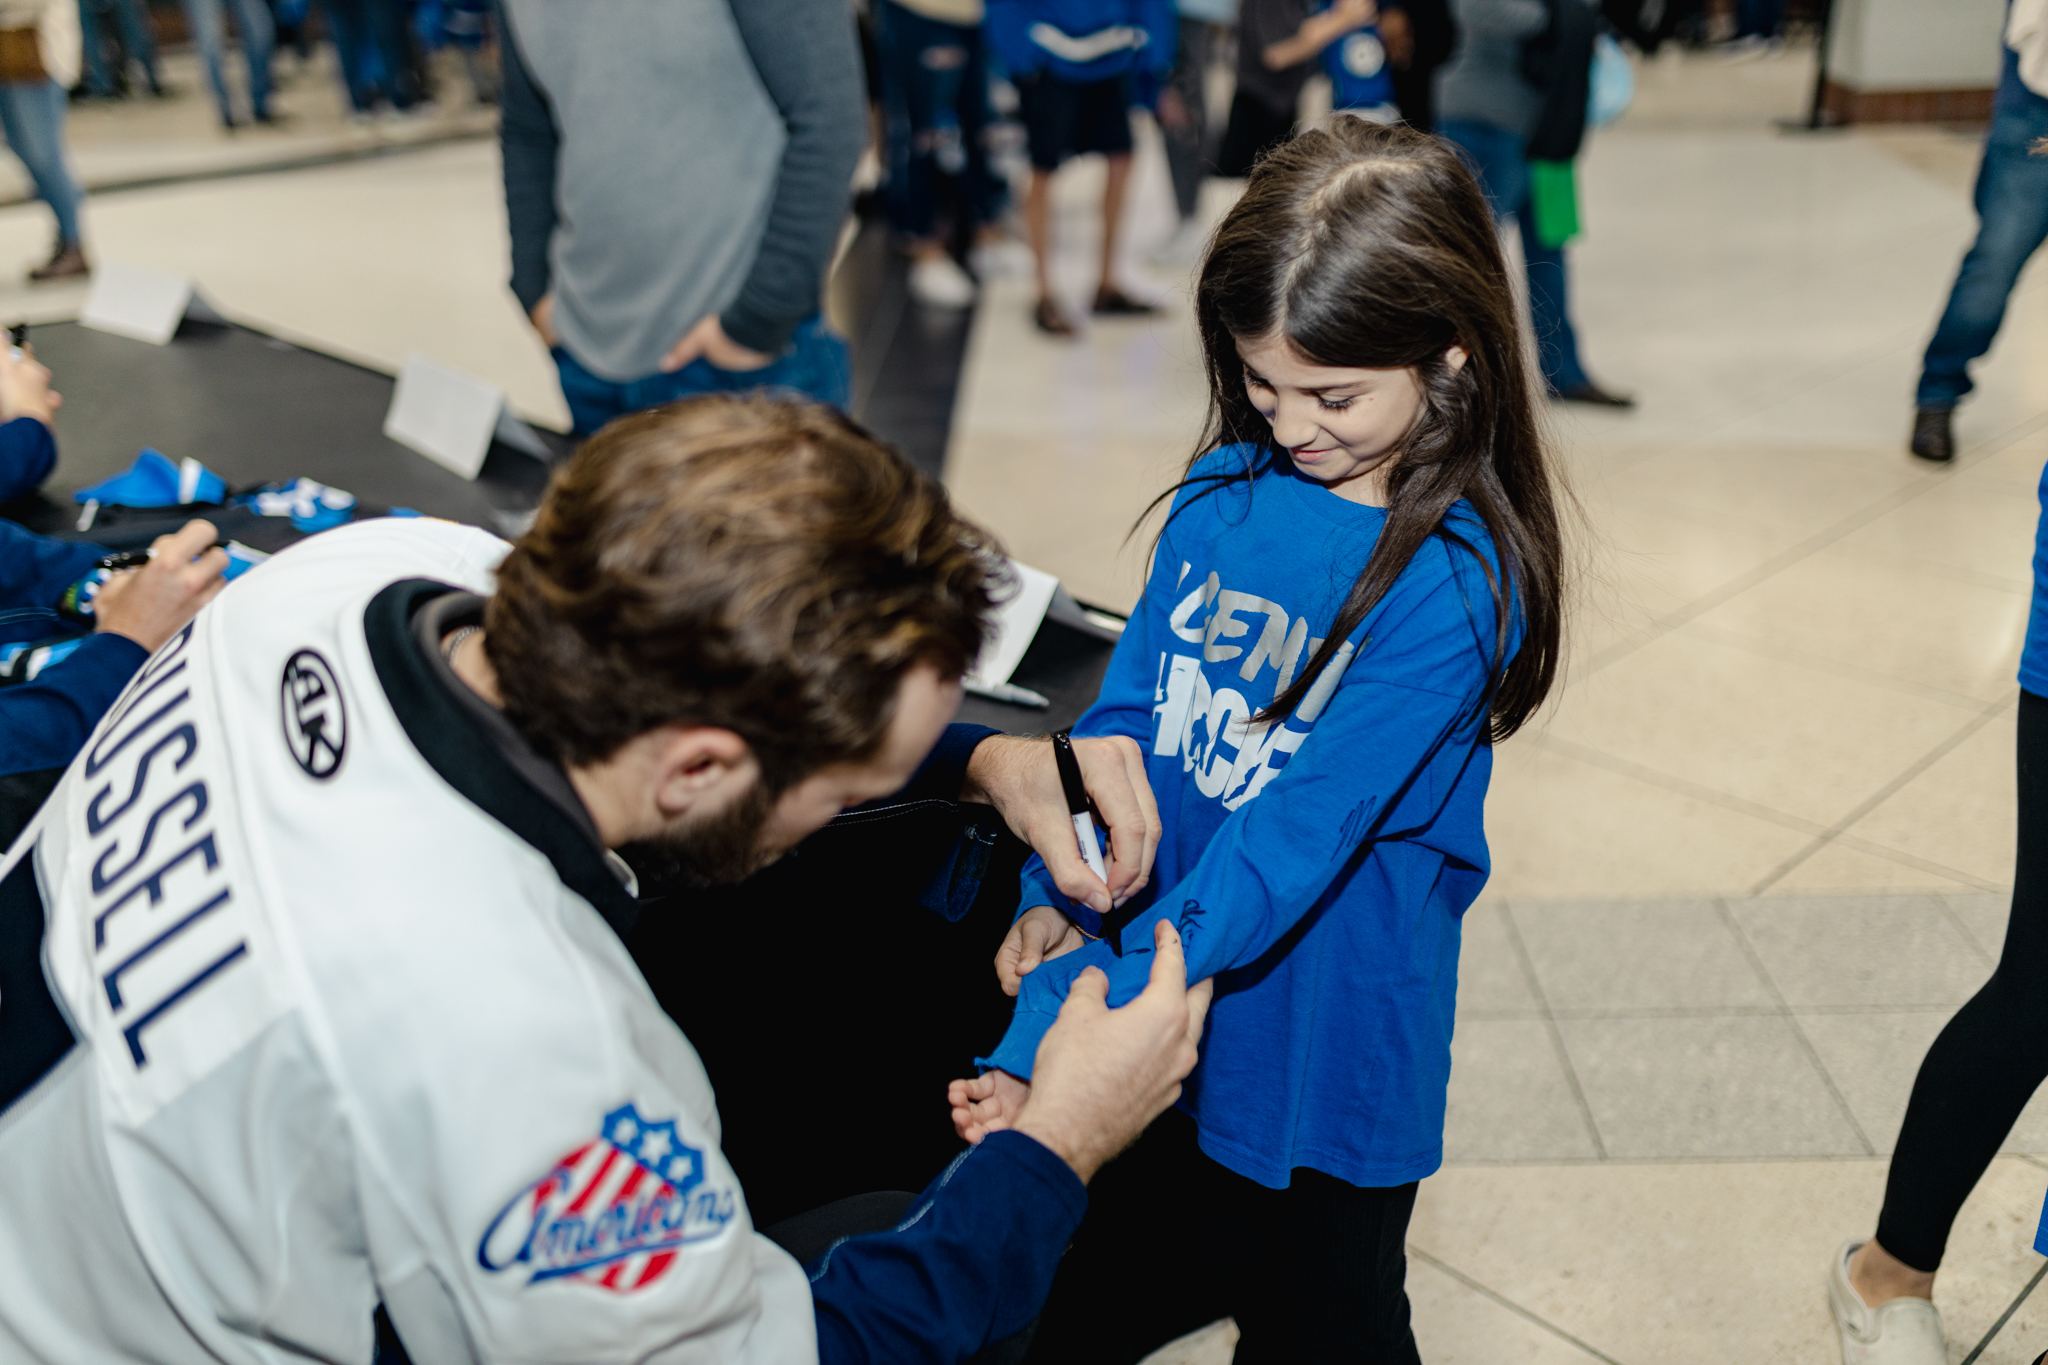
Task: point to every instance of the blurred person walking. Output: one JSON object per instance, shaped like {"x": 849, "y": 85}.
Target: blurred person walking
{"x": 259, "y": 38}
{"x": 676, "y": 175}
{"x": 1503, "y": 121}
{"x": 107, "y": 79}
{"x": 1183, "y": 114}
{"x": 374, "y": 53}
{"x": 1278, "y": 44}
{"x": 2012, "y": 211}
{"x": 39, "y": 61}
{"x": 1078, "y": 66}
{"x": 933, "y": 68}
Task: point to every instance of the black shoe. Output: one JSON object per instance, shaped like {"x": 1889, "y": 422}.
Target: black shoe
{"x": 1593, "y": 395}
{"x": 1112, "y": 302}
{"x": 1933, "y": 437}
{"x": 1050, "y": 320}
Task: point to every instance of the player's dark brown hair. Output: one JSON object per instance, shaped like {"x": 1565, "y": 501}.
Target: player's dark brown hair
{"x": 1372, "y": 247}
{"x": 759, "y": 565}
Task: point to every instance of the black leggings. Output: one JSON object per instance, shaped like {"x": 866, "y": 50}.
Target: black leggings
{"x": 1173, "y": 1241}
{"x": 1988, "y": 1062}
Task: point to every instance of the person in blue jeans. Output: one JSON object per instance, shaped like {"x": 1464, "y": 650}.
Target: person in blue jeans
{"x": 259, "y": 38}
{"x": 2012, "y": 210}
{"x": 934, "y": 78}
{"x": 370, "y": 44}
{"x": 1488, "y": 107}
{"x": 32, "y": 113}
{"x": 138, "y": 44}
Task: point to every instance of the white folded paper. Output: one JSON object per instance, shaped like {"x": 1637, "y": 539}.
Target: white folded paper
{"x": 451, "y": 417}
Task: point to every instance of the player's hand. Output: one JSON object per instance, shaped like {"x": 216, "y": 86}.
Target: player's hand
{"x": 543, "y": 319}
{"x": 708, "y": 339}
{"x": 151, "y": 604}
{"x": 1102, "y": 1075}
{"x": 987, "y": 1104}
{"x": 1354, "y": 13}
{"x": 1021, "y": 780}
{"x": 1039, "y": 935}
{"x": 25, "y": 387}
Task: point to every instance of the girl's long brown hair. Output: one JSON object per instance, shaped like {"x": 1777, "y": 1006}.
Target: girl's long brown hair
{"x": 1371, "y": 247}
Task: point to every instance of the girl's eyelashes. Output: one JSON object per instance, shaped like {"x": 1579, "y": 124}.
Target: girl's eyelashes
{"x": 1333, "y": 404}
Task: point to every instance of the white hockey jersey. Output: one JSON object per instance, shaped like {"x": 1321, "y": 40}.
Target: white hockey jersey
{"x": 346, "y": 1025}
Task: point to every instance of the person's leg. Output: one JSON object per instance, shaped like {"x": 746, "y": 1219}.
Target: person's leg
{"x": 93, "y": 51}
{"x": 1325, "y": 1274}
{"x": 204, "y": 19}
{"x": 1114, "y": 189}
{"x": 1150, "y": 1262}
{"x": 1557, "y": 344}
{"x": 349, "y": 29}
{"x": 139, "y": 39}
{"x": 2012, "y": 208}
{"x": 34, "y": 119}
{"x": 1183, "y": 124}
{"x": 388, "y": 36}
{"x": 1495, "y": 158}
{"x": 1254, "y": 126}
{"x": 592, "y": 400}
{"x": 1981, "y": 1070}
{"x": 1050, "y": 109}
{"x": 983, "y": 193}
{"x": 907, "y": 118}
{"x": 259, "y": 42}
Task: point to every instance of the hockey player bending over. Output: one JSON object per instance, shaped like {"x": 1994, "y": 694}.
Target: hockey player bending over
{"x": 312, "y": 997}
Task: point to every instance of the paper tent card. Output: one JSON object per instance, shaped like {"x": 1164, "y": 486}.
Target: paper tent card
{"x": 1039, "y": 596}
{"x": 451, "y": 417}
{"x": 135, "y": 301}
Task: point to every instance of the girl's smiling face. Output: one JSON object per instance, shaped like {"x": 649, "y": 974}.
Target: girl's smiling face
{"x": 1342, "y": 427}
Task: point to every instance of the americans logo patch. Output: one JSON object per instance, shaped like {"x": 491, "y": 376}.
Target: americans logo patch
{"x": 612, "y": 1212}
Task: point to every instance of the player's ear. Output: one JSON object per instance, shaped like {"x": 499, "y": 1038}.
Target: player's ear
{"x": 692, "y": 763}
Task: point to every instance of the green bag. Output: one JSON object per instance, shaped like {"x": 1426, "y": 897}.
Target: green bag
{"x": 1554, "y": 200}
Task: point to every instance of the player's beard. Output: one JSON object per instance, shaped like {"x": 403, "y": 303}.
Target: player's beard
{"x": 717, "y": 851}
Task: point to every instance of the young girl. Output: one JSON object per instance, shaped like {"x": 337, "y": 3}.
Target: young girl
{"x": 1357, "y": 593}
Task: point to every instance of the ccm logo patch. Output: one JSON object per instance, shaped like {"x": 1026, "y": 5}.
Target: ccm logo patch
{"x": 315, "y": 722}
{"x": 612, "y": 1212}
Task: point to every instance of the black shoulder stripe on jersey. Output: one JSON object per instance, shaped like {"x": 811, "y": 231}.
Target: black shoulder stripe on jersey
{"x": 466, "y": 758}
{"x": 34, "y": 1035}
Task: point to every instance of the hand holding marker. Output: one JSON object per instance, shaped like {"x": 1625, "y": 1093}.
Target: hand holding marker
{"x": 1083, "y": 811}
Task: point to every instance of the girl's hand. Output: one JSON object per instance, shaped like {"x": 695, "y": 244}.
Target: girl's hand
{"x": 987, "y": 1104}
{"x": 1039, "y": 935}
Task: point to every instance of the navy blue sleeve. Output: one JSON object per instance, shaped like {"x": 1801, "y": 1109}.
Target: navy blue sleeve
{"x": 528, "y": 142}
{"x": 944, "y": 770}
{"x": 35, "y": 570}
{"x": 28, "y": 452}
{"x": 970, "y": 1264}
{"x": 44, "y": 723}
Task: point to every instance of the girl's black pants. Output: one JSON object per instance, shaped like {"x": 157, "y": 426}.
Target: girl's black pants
{"x": 1988, "y": 1061}
{"x": 1173, "y": 1241}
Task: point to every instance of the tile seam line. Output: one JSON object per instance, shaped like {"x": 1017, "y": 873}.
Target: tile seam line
{"x": 1600, "y": 758}
{"x": 1883, "y": 794}
{"x": 1564, "y": 1056}
{"x": 1505, "y": 1302}
{"x": 1827, "y": 1079}
{"x": 1805, "y": 549}
{"x": 2006, "y": 1316}
{"x": 1919, "y": 864}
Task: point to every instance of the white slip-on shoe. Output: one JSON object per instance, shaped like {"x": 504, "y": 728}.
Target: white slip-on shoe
{"x": 1896, "y": 1332}
{"x": 940, "y": 282}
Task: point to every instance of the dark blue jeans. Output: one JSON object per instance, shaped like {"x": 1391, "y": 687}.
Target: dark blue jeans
{"x": 2012, "y": 207}
{"x": 137, "y": 42}
{"x": 814, "y": 365}
{"x": 1496, "y": 156}
{"x": 934, "y": 80}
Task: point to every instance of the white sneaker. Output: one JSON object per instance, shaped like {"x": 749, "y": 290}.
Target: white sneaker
{"x": 1004, "y": 259}
{"x": 940, "y": 282}
{"x": 1896, "y": 1332}
{"x": 1183, "y": 248}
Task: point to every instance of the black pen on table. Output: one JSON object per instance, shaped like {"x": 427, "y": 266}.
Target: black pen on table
{"x": 1083, "y": 811}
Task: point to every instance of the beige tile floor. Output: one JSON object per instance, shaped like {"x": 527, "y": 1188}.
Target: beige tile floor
{"x": 1752, "y": 856}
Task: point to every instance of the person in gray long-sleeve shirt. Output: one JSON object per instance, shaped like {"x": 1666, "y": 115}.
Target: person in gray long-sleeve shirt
{"x": 1488, "y": 107}
{"x": 676, "y": 174}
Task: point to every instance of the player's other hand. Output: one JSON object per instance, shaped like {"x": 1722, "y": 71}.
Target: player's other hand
{"x": 708, "y": 339}
{"x": 543, "y": 319}
{"x": 1039, "y": 935}
{"x": 151, "y": 604}
{"x": 987, "y": 1104}
{"x": 25, "y": 388}
{"x": 1022, "y": 781}
{"x": 1102, "y": 1075}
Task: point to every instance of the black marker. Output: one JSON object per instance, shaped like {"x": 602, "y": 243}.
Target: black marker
{"x": 1083, "y": 811}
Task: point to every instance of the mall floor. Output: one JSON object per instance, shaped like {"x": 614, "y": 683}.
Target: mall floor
{"x": 1756, "y": 850}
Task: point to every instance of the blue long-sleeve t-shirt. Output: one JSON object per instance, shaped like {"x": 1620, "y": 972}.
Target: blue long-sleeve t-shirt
{"x": 1083, "y": 41}
{"x": 1318, "y": 867}
{"x": 44, "y": 723}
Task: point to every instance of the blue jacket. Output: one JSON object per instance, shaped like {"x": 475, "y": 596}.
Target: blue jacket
{"x": 1319, "y": 867}
{"x": 44, "y": 723}
{"x": 28, "y": 452}
{"x": 1084, "y": 40}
